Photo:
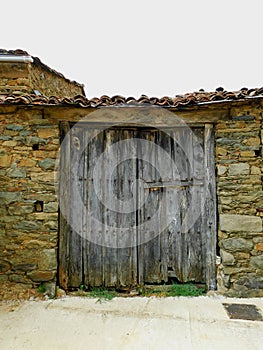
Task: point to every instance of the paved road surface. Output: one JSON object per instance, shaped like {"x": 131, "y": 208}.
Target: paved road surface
{"x": 128, "y": 323}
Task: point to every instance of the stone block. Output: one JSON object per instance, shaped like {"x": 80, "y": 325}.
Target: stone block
{"x": 10, "y": 143}
{"x": 13, "y": 71}
{"x": 24, "y": 267}
{"x": 251, "y": 281}
{"x": 25, "y": 133}
{"x": 255, "y": 170}
{"x": 237, "y": 245}
{"x": 239, "y": 287}
{"x": 225, "y": 141}
{"x": 35, "y": 244}
{"x": 34, "y": 140}
{"x": 3, "y": 278}
{"x": 240, "y": 223}
{"x": 20, "y": 209}
{"x": 41, "y": 216}
{"x": 226, "y": 281}
{"x": 4, "y": 266}
{"x": 242, "y": 256}
{"x": 10, "y": 219}
{"x": 50, "y": 289}
{"x": 51, "y": 207}
{"x": 5, "y": 138}
{"x": 41, "y": 276}
{"x": 227, "y": 258}
{"x": 47, "y": 132}
{"x": 259, "y": 246}
{"x": 44, "y": 154}
{"x": 17, "y": 172}
{"x": 18, "y": 278}
{"x": 221, "y": 169}
{"x": 221, "y": 151}
{"x": 14, "y": 127}
{"x": 48, "y": 259}
{"x": 60, "y": 293}
{"x": 238, "y": 169}
{"x": 243, "y": 117}
{"x": 28, "y": 226}
{"x": 27, "y": 162}
{"x": 47, "y": 164}
{"x": 226, "y": 200}
{"x": 9, "y": 197}
{"x": 252, "y": 141}
{"x": 5, "y": 161}
{"x": 247, "y": 154}
{"x": 233, "y": 270}
{"x": 256, "y": 262}
{"x": 48, "y": 177}
{"x": 51, "y": 225}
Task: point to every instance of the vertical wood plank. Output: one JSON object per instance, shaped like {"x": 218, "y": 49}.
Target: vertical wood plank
{"x": 111, "y": 187}
{"x": 126, "y": 222}
{"x": 75, "y": 239}
{"x": 149, "y": 252}
{"x": 64, "y": 205}
{"x": 193, "y": 266}
{"x": 94, "y": 250}
{"x": 184, "y": 239}
{"x": 210, "y": 208}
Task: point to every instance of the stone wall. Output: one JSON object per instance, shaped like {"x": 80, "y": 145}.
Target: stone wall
{"x": 29, "y": 209}
{"x": 14, "y": 77}
{"x": 240, "y": 202}
{"x": 29, "y": 142}
{"x": 49, "y": 83}
{"x": 29, "y": 77}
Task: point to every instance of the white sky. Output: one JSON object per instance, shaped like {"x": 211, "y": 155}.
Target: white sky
{"x": 132, "y": 47}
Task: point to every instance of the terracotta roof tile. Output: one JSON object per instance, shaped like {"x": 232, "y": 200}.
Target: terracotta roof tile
{"x": 179, "y": 101}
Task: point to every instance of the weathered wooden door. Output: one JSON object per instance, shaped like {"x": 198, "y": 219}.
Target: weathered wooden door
{"x": 148, "y": 210}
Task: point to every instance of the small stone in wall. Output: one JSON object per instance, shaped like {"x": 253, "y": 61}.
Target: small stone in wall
{"x": 47, "y": 164}
{"x": 17, "y": 172}
{"x": 255, "y": 170}
{"x": 237, "y": 245}
{"x": 51, "y": 207}
{"x": 5, "y": 161}
{"x": 34, "y": 140}
{"x": 14, "y": 127}
{"x": 9, "y": 197}
{"x": 252, "y": 141}
{"x": 46, "y": 133}
{"x": 41, "y": 276}
{"x": 257, "y": 262}
{"x": 27, "y": 162}
{"x": 221, "y": 151}
{"x": 9, "y": 143}
{"x": 259, "y": 246}
{"x": 48, "y": 259}
{"x": 221, "y": 169}
{"x": 238, "y": 169}
{"x": 227, "y": 258}
{"x": 27, "y": 226}
{"x": 240, "y": 223}
{"x": 60, "y": 293}
{"x": 4, "y": 266}
{"x": 247, "y": 154}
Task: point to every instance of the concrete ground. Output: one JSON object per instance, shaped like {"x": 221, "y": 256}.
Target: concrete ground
{"x": 128, "y": 323}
